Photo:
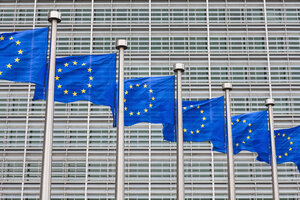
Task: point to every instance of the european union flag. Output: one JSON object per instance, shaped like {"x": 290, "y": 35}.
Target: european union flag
{"x": 149, "y": 99}
{"x": 287, "y": 147}
{"x": 90, "y": 77}
{"x": 249, "y": 132}
{"x": 202, "y": 121}
{"x": 23, "y": 56}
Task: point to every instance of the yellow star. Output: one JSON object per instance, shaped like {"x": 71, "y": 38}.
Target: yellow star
{"x": 248, "y": 137}
{"x": 9, "y": 66}
{"x": 11, "y": 37}
{"x": 145, "y": 110}
{"x": 66, "y": 91}
{"x": 130, "y": 86}
{"x": 83, "y": 64}
{"x": 91, "y": 78}
{"x": 1, "y": 38}
{"x": 184, "y": 108}
{"x": 150, "y": 90}
{"x": 249, "y": 124}
{"x": 244, "y": 121}
{"x": 59, "y": 86}
{"x": 89, "y": 85}
{"x": 283, "y": 135}
{"x": 145, "y": 85}
{"x": 18, "y": 42}
{"x": 131, "y": 113}
{"x": 231, "y": 123}
{"x": 126, "y": 92}
{"x": 74, "y": 63}
{"x": 124, "y": 100}
{"x": 0, "y": 73}
{"x": 202, "y": 111}
{"x": 202, "y": 125}
{"x": 237, "y": 120}
{"x": 56, "y": 78}
{"x": 198, "y": 107}
{"x": 138, "y": 113}
{"x": 286, "y": 154}
{"x": 250, "y": 131}
{"x": 150, "y": 105}
{"x": 197, "y": 131}
{"x": 291, "y": 142}
{"x": 192, "y": 132}
{"x": 137, "y": 85}
{"x": 125, "y": 108}
{"x": 89, "y": 70}
{"x": 191, "y": 106}
{"x": 244, "y": 142}
{"x": 279, "y": 156}
{"x": 83, "y": 90}
{"x": 237, "y": 144}
{"x": 66, "y": 64}
{"x": 278, "y": 134}
{"x": 204, "y": 118}
{"x": 184, "y": 130}
{"x": 17, "y": 60}
{"x": 20, "y": 51}
{"x": 74, "y": 93}
{"x": 289, "y": 138}
{"x": 59, "y": 70}
{"x": 290, "y": 149}
{"x": 153, "y": 98}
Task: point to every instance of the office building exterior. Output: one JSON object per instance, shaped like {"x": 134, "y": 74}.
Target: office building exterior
{"x": 255, "y": 44}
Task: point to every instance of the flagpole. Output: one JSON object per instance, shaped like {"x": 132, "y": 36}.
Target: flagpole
{"x": 230, "y": 165}
{"x": 270, "y": 103}
{"x": 45, "y": 189}
{"x": 178, "y": 69}
{"x": 121, "y": 45}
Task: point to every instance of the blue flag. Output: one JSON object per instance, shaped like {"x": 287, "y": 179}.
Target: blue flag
{"x": 249, "y": 132}
{"x": 149, "y": 99}
{"x": 91, "y": 78}
{"x": 202, "y": 121}
{"x": 23, "y": 56}
{"x": 287, "y": 147}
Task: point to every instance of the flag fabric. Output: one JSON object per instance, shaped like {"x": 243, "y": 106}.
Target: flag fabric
{"x": 148, "y": 99}
{"x": 249, "y": 132}
{"x": 202, "y": 121}
{"x": 287, "y": 142}
{"x": 23, "y": 56}
{"x": 90, "y": 77}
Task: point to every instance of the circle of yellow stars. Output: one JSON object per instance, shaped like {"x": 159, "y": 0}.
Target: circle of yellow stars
{"x": 73, "y": 64}
{"x": 147, "y": 107}
{"x": 19, "y": 50}
{"x": 249, "y": 131}
{"x": 203, "y": 120}
{"x": 290, "y": 143}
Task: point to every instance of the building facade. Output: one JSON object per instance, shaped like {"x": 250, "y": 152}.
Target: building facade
{"x": 255, "y": 44}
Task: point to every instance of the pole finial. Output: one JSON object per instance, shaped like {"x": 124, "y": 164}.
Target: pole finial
{"x": 121, "y": 43}
{"x": 270, "y": 102}
{"x": 227, "y": 86}
{"x": 53, "y": 14}
{"x": 178, "y": 66}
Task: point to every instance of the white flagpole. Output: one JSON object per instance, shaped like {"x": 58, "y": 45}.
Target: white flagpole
{"x": 45, "y": 189}
{"x": 121, "y": 45}
{"x": 270, "y": 103}
{"x": 230, "y": 165}
{"x": 178, "y": 69}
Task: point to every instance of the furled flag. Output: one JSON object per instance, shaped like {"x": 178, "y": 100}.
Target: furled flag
{"x": 202, "y": 121}
{"x": 149, "y": 99}
{"x": 90, "y": 77}
{"x": 23, "y": 56}
{"x": 249, "y": 132}
{"x": 287, "y": 147}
